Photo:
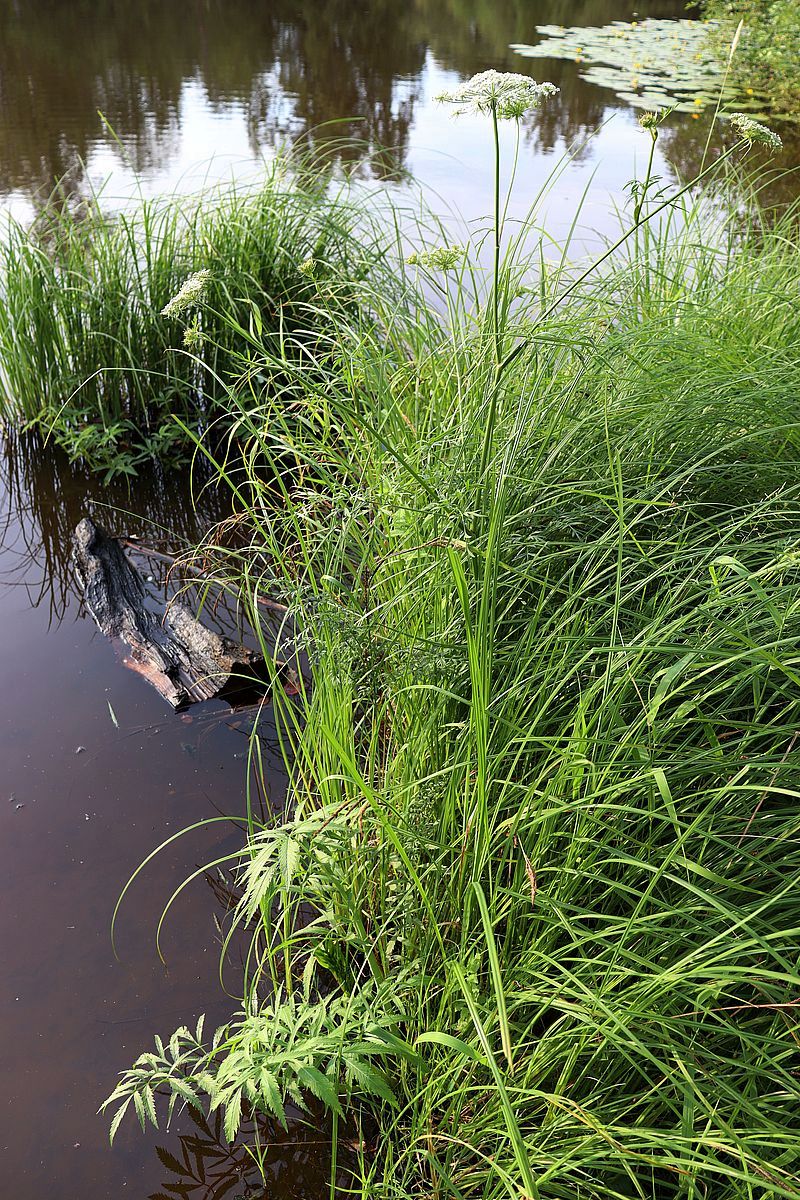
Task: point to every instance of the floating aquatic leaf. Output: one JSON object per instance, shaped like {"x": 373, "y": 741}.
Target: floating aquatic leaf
{"x": 649, "y": 64}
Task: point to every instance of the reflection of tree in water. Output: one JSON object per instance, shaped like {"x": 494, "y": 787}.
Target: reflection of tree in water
{"x": 60, "y": 63}
{"x": 471, "y": 35}
{"x": 43, "y": 497}
{"x": 343, "y": 63}
{"x": 293, "y": 67}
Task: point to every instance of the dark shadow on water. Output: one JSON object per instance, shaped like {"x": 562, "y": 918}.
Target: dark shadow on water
{"x": 297, "y": 1161}
{"x": 44, "y": 496}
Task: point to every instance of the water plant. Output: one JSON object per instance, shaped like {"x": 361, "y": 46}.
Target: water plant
{"x": 651, "y": 64}
{"x": 529, "y": 911}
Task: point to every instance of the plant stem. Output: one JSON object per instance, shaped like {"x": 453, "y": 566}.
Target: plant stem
{"x": 488, "y": 436}
{"x": 637, "y": 212}
{"x": 559, "y": 300}
{"x": 497, "y": 232}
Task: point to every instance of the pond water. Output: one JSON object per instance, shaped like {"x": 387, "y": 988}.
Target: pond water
{"x": 94, "y": 770}
{"x": 197, "y": 90}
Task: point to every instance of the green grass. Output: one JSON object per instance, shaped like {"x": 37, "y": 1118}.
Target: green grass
{"x": 531, "y": 909}
{"x": 85, "y": 352}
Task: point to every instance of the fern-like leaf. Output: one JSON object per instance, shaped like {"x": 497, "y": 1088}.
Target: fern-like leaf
{"x": 117, "y": 1120}
{"x": 320, "y": 1086}
{"x": 233, "y": 1114}
{"x": 271, "y": 1096}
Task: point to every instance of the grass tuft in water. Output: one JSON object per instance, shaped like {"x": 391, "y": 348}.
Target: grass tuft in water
{"x": 91, "y": 353}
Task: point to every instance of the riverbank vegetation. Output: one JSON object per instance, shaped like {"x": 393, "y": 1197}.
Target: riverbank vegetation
{"x": 527, "y": 916}
{"x": 765, "y": 63}
{"x": 89, "y": 357}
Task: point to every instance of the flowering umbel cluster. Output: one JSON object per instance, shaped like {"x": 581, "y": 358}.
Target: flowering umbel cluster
{"x": 193, "y": 335}
{"x": 443, "y": 258}
{"x": 190, "y": 295}
{"x": 507, "y": 94}
{"x": 755, "y": 132}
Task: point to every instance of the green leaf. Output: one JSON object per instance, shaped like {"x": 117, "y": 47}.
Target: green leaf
{"x": 233, "y": 1115}
{"x": 497, "y": 979}
{"x": 271, "y": 1095}
{"x": 289, "y": 857}
{"x": 320, "y": 1086}
{"x": 138, "y": 1104}
{"x": 452, "y": 1043}
{"x": 370, "y": 1080}
{"x": 150, "y": 1107}
{"x": 182, "y": 1088}
{"x": 117, "y": 1121}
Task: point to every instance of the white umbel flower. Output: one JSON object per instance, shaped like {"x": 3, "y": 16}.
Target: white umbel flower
{"x": 190, "y": 295}
{"x": 505, "y": 93}
{"x": 442, "y": 258}
{"x": 754, "y": 131}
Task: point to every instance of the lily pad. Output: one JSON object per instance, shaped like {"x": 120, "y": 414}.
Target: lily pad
{"x": 650, "y": 64}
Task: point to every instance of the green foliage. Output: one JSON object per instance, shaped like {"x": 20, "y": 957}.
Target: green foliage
{"x": 87, "y": 353}
{"x": 542, "y": 825}
{"x": 765, "y": 62}
{"x": 288, "y": 1050}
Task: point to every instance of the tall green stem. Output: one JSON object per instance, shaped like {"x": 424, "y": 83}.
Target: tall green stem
{"x": 637, "y": 212}
{"x": 559, "y": 300}
{"x": 488, "y": 434}
{"x": 497, "y": 233}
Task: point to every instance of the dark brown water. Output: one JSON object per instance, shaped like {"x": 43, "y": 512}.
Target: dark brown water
{"x": 192, "y": 89}
{"x": 82, "y": 802}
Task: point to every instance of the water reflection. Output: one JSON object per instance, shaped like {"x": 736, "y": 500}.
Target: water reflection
{"x": 84, "y": 798}
{"x": 178, "y": 80}
{"x": 207, "y": 1167}
{"x": 44, "y": 496}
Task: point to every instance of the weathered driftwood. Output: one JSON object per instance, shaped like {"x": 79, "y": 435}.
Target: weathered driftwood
{"x": 180, "y": 657}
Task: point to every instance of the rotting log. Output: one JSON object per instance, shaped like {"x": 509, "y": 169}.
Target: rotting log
{"x": 184, "y": 660}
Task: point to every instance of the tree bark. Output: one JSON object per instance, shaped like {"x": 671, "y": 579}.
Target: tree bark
{"x": 184, "y": 660}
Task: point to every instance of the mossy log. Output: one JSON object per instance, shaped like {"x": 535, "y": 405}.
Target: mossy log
{"x": 184, "y": 660}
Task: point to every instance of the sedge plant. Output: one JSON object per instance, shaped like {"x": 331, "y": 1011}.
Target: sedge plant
{"x": 530, "y": 909}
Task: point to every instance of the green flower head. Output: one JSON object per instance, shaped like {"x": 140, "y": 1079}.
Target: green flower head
{"x": 505, "y": 93}
{"x": 754, "y": 132}
{"x": 443, "y": 258}
{"x": 649, "y": 121}
{"x": 193, "y": 336}
{"x": 191, "y": 293}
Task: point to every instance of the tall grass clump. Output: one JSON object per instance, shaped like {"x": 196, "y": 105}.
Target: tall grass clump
{"x": 530, "y": 914}
{"x": 89, "y": 355}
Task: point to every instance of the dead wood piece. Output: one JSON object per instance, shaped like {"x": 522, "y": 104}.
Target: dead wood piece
{"x": 184, "y": 661}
